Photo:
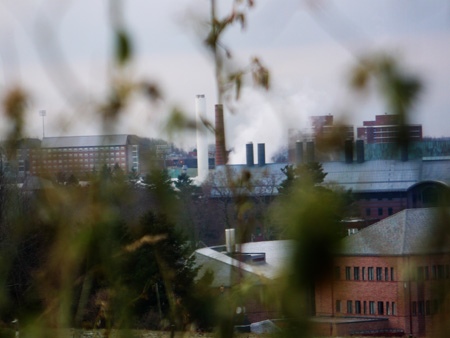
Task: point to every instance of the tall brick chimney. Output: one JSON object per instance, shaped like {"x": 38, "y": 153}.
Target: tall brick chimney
{"x": 221, "y": 155}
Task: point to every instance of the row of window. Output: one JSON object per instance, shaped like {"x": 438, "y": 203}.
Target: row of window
{"x": 390, "y": 197}
{"x": 41, "y": 169}
{"x": 367, "y": 307}
{"x": 363, "y": 273}
{"x": 437, "y": 272}
{"x": 64, "y": 150}
{"x": 96, "y": 160}
{"x": 390, "y": 211}
{"x": 424, "y": 307}
{"x": 106, "y": 154}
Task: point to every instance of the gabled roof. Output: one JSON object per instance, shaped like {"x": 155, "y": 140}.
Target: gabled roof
{"x": 84, "y": 141}
{"x": 409, "y": 232}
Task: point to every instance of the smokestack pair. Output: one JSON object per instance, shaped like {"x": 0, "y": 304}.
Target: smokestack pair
{"x": 261, "y": 154}
{"x": 310, "y": 152}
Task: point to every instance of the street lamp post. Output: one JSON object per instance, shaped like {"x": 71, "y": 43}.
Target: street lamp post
{"x": 42, "y": 113}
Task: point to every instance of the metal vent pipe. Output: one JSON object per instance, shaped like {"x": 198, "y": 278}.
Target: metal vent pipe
{"x": 230, "y": 240}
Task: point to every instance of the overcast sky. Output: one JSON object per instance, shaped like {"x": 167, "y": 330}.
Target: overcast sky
{"x": 309, "y": 51}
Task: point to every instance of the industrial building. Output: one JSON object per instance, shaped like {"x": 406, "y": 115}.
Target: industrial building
{"x": 380, "y": 187}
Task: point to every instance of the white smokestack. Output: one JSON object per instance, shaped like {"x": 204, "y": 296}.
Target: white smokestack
{"x": 202, "y": 143}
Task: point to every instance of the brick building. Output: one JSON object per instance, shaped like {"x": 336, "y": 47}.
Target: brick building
{"x": 79, "y": 155}
{"x": 390, "y": 278}
{"x": 385, "y": 129}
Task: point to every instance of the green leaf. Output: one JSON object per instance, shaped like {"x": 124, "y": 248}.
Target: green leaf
{"x": 123, "y": 50}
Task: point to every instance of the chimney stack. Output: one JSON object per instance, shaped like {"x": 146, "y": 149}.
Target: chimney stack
{"x": 221, "y": 155}
{"x": 202, "y": 144}
{"x": 261, "y": 154}
{"x": 348, "y": 148}
{"x": 298, "y": 152}
{"x": 310, "y": 151}
{"x": 360, "y": 151}
{"x": 249, "y": 153}
{"x": 404, "y": 152}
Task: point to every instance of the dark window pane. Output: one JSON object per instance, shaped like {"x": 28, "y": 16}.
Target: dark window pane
{"x": 356, "y": 273}
{"x": 380, "y": 308}
{"x": 379, "y": 277}
{"x": 349, "y": 306}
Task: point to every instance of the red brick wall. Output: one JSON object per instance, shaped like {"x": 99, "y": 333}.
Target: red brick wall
{"x": 401, "y": 290}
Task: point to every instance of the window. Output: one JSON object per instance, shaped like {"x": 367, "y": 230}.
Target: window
{"x": 368, "y": 212}
{"x": 338, "y": 306}
{"x": 358, "y": 307}
{"x": 380, "y": 211}
{"x": 370, "y": 273}
{"x": 349, "y": 306}
{"x": 414, "y": 308}
{"x": 435, "y": 306}
{"x": 348, "y": 273}
{"x": 337, "y": 273}
{"x": 363, "y": 273}
{"x": 392, "y": 275}
{"x": 427, "y": 274}
{"x": 390, "y": 211}
{"x": 372, "y": 307}
{"x": 356, "y": 273}
{"x": 440, "y": 270}
{"x": 447, "y": 271}
{"x": 388, "y": 310}
{"x": 365, "y": 307}
{"x": 386, "y": 274}
{"x": 433, "y": 271}
{"x": 420, "y": 273}
{"x": 393, "y": 308}
{"x": 380, "y": 308}
{"x": 379, "y": 271}
{"x": 427, "y": 308}
{"x": 420, "y": 308}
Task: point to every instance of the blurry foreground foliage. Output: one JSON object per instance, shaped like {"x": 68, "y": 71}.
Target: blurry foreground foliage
{"x": 112, "y": 256}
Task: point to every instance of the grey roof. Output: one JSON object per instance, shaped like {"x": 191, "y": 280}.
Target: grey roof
{"x": 369, "y": 176}
{"x": 378, "y": 175}
{"x": 84, "y": 141}
{"x": 228, "y": 270}
{"x": 409, "y": 232}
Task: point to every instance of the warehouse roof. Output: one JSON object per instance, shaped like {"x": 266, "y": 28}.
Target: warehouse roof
{"x": 369, "y": 176}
